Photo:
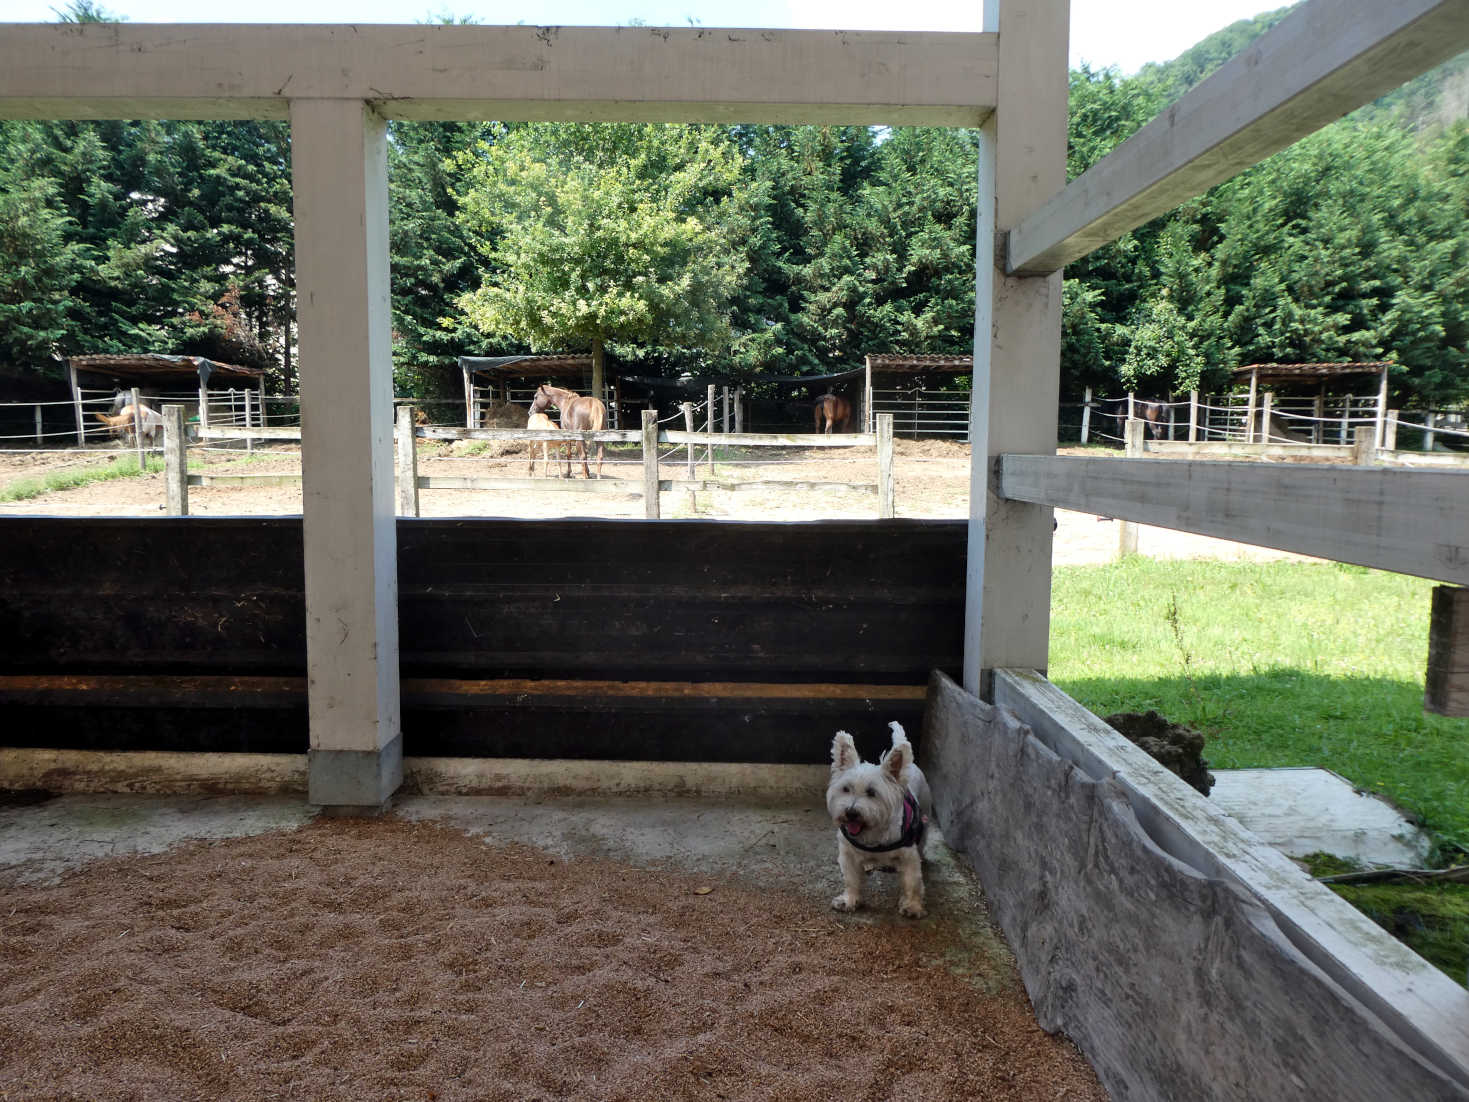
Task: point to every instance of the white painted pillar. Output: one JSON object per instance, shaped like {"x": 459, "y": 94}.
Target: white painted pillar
{"x": 1086, "y": 414}
{"x": 340, "y": 184}
{"x": 76, "y": 403}
{"x": 1017, "y": 344}
{"x": 1380, "y": 421}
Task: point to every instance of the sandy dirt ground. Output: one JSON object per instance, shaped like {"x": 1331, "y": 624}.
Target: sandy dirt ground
{"x": 478, "y": 949}
{"x": 931, "y": 480}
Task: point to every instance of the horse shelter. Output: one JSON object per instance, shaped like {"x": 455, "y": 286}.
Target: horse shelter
{"x": 1185, "y": 959}
{"x": 217, "y": 393}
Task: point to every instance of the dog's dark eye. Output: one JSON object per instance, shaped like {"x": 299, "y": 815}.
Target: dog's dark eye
{"x": 871, "y": 791}
{"x": 846, "y": 788}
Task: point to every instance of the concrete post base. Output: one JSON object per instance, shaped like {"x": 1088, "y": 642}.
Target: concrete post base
{"x": 355, "y": 782}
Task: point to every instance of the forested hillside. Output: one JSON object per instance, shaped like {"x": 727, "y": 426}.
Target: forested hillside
{"x": 751, "y": 249}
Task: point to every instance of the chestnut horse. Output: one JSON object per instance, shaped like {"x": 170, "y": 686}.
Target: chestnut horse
{"x": 579, "y": 413}
{"x": 837, "y": 413}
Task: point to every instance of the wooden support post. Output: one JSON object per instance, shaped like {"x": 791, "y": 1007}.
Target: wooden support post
{"x": 709, "y": 430}
{"x": 1267, "y": 406}
{"x": 688, "y": 424}
{"x": 1362, "y": 447}
{"x": 249, "y": 420}
{"x": 1136, "y": 444}
{"x": 1250, "y": 406}
{"x": 1346, "y": 420}
{"x": 1086, "y": 414}
{"x": 1318, "y": 426}
{"x": 1446, "y": 686}
{"x": 204, "y": 399}
{"x": 886, "y": 504}
{"x": 468, "y": 397}
{"x": 261, "y": 418}
{"x": 408, "y": 464}
{"x": 1193, "y": 417}
{"x": 175, "y": 463}
{"x": 1430, "y": 418}
{"x": 1017, "y": 345}
{"x": 137, "y": 399}
{"x": 1381, "y": 414}
{"x": 76, "y": 402}
{"x": 650, "y": 464}
{"x": 616, "y": 410}
{"x": 339, "y": 178}
{"x": 1390, "y": 431}
{"x": 724, "y": 410}
{"x": 1131, "y": 405}
{"x": 739, "y": 409}
{"x": 40, "y": 435}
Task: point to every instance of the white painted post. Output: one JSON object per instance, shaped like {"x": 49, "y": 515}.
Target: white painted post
{"x": 688, "y": 424}
{"x": 138, "y": 430}
{"x": 249, "y": 420}
{"x": 1267, "y": 403}
{"x": 468, "y": 397}
{"x": 739, "y": 410}
{"x": 1017, "y": 345}
{"x": 1381, "y": 417}
{"x": 340, "y": 187}
{"x": 408, "y": 463}
{"x": 1136, "y": 445}
{"x": 1086, "y": 415}
{"x": 175, "y": 463}
{"x": 709, "y": 431}
{"x": 650, "y": 464}
{"x": 1346, "y": 420}
{"x": 886, "y": 502}
{"x": 1390, "y": 431}
{"x": 40, "y": 436}
{"x": 1131, "y": 406}
{"x": 1250, "y": 407}
{"x": 204, "y": 394}
{"x": 76, "y": 403}
{"x": 1172, "y": 418}
{"x": 1430, "y": 418}
{"x": 1193, "y": 417}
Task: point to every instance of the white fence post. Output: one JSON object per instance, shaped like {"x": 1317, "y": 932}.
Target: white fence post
{"x": 1193, "y": 417}
{"x": 175, "y": 463}
{"x": 709, "y": 429}
{"x": 40, "y": 436}
{"x": 1086, "y": 414}
{"x": 739, "y": 409}
{"x": 1390, "y": 431}
{"x": 408, "y": 463}
{"x": 688, "y": 424}
{"x": 138, "y": 430}
{"x": 650, "y": 464}
{"x": 886, "y": 505}
{"x": 1135, "y": 444}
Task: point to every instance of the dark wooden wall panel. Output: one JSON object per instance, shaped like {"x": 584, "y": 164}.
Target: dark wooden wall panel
{"x": 843, "y": 603}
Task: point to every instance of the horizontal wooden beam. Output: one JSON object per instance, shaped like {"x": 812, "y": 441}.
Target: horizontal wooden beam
{"x": 638, "y": 74}
{"x": 1406, "y": 521}
{"x": 1328, "y": 57}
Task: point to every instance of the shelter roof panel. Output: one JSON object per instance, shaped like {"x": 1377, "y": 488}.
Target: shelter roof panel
{"x": 925, "y": 363}
{"x": 147, "y": 365}
{"x": 1273, "y": 372}
{"x": 527, "y": 366}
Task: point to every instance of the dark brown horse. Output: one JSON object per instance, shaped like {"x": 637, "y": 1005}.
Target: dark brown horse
{"x": 579, "y": 413}
{"x": 835, "y": 411}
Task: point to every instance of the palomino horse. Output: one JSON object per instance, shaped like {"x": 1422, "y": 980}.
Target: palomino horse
{"x": 122, "y": 424}
{"x": 541, "y": 421}
{"x": 837, "y": 412}
{"x": 579, "y": 413}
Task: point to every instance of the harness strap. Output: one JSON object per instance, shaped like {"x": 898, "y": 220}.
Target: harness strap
{"x": 913, "y": 825}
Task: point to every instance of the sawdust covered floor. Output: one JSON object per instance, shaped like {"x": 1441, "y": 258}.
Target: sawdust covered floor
{"x": 406, "y": 958}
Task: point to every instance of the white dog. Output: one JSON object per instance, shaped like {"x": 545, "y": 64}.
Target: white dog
{"x": 879, "y": 810}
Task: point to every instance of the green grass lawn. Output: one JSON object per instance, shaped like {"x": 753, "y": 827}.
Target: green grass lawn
{"x": 121, "y": 466}
{"x": 1279, "y": 664}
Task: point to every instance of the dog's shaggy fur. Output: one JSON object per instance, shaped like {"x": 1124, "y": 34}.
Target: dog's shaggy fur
{"x": 866, "y": 802}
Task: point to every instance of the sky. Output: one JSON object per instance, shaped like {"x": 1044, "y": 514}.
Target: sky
{"x": 1122, "y": 33}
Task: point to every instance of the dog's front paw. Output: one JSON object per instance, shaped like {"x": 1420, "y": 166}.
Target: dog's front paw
{"x": 843, "y": 904}
{"x": 911, "y": 908}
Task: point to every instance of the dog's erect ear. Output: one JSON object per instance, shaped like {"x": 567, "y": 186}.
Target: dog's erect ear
{"x": 898, "y": 758}
{"x": 843, "y": 753}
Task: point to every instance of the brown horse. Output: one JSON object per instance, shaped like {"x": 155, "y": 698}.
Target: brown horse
{"x": 837, "y": 412}
{"x": 126, "y": 423}
{"x": 579, "y": 413}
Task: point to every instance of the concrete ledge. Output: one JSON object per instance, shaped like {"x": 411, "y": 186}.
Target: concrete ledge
{"x": 1183, "y": 956}
{"x": 147, "y": 772}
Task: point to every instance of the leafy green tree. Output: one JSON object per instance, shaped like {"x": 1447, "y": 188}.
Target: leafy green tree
{"x": 600, "y": 233}
{"x": 1162, "y": 354}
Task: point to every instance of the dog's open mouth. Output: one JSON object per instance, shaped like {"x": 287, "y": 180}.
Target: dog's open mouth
{"x": 852, "y": 827}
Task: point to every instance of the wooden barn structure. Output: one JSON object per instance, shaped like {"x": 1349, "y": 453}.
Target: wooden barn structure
{"x": 161, "y": 377}
{"x": 919, "y": 392}
{"x": 1183, "y": 958}
{"x": 514, "y": 379}
{"x": 1321, "y": 391}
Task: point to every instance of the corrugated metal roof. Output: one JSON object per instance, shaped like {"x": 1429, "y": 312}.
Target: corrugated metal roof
{"x": 920, "y": 363}
{"x": 158, "y": 366}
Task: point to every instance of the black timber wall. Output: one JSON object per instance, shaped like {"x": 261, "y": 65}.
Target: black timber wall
{"x": 672, "y": 640}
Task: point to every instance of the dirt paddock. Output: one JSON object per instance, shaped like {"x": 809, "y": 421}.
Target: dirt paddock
{"x": 931, "y": 479}
{"x": 484, "y": 949}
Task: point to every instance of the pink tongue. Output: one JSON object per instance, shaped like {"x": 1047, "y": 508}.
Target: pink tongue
{"x": 852, "y": 828}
